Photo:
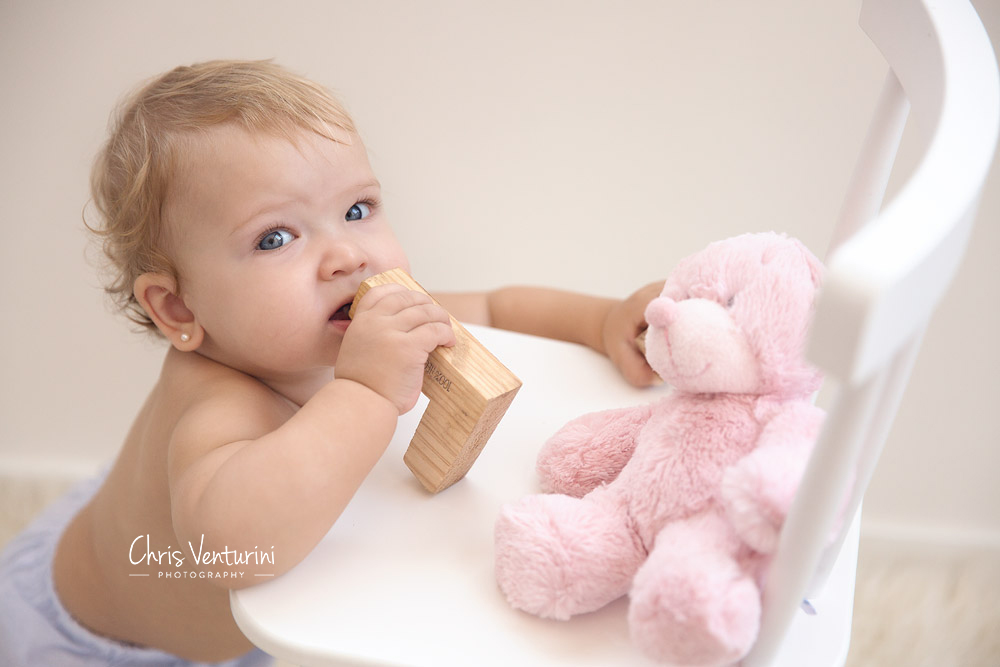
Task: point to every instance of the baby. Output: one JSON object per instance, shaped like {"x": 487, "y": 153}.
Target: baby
{"x": 240, "y": 214}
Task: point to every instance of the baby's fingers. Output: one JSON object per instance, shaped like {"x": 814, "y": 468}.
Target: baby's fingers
{"x": 431, "y": 335}
{"x": 419, "y": 314}
{"x": 390, "y": 299}
{"x": 633, "y": 366}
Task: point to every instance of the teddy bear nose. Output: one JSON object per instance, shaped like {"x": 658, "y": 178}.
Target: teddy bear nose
{"x": 661, "y": 311}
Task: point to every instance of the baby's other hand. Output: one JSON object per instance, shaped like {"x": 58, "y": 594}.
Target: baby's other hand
{"x": 623, "y": 323}
{"x": 386, "y": 345}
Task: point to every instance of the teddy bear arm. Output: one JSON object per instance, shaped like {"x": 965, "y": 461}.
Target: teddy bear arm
{"x": 757, "y": 491}
{"x": 590, "y": 450}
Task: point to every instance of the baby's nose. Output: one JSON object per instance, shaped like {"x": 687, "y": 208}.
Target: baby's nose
{"x": 342, "y": 256}
{"x": 661, "y": 311}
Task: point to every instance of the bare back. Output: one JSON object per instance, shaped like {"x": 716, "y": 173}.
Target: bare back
{"x": 120, "y": 570}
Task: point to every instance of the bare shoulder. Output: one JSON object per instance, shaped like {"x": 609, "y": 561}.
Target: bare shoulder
{"x": 196, "y": 382}
{"x": 214, "y": 406}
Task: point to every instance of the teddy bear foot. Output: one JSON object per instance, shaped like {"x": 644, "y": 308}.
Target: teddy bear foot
{"x": 558, "y": 556}
{"x": 691, "y": 602}
{"x": 717, "y": 636}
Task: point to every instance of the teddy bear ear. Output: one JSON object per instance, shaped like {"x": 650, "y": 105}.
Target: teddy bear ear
{"x": 785, "y": 247}
{"x": 815, "y": 266}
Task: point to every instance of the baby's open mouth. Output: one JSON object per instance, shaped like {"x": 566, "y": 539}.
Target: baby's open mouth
{"x": 341, "y": 313}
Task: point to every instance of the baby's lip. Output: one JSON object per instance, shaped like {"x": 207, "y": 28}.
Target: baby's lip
{"x": 341, "y": 313}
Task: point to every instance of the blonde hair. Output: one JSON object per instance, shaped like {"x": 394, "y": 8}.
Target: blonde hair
{"x": 132, "y": 171}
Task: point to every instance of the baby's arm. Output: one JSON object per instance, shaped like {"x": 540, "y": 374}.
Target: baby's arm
{"x": 247, "y": 474}
{"x": 243, "y": 475}
{"x": 608, "y": 326}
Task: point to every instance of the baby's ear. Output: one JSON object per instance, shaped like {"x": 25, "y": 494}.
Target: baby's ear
{"x": 157, "y": 294}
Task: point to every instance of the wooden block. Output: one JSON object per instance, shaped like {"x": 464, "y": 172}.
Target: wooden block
{"x": 640, "y": 341}
{"x": 469, "y": 391}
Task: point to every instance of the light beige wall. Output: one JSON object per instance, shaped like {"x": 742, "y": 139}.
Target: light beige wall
{"x": 587, "y": 145}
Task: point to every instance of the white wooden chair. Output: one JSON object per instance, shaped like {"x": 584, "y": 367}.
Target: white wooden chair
{"x": 422, "y": 592}
{"x": 887, "y": 269}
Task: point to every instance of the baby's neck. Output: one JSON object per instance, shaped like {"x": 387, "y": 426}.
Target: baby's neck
{"x": 301, "y": 389}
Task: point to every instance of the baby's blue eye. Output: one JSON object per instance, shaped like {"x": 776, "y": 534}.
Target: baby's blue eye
{"x": 359, "y": 211}
{"x": 274, "y": 240}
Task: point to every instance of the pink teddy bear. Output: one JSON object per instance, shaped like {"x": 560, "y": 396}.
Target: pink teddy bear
{"x": 679, "y": 503}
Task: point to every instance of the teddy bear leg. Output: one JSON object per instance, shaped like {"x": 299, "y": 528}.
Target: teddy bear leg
{"x": 691, "y": 602}
{"x": 557, "y": 556}
{"x": 590, "y": 450}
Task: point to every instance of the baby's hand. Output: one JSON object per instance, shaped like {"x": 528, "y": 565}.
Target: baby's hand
{"x": 624, "y": 322}
{"x": 386, "y": 345}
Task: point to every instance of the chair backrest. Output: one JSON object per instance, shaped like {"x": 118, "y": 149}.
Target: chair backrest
{"x": 887, "y": 269}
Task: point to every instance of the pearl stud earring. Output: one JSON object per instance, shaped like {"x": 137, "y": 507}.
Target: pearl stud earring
{"x": 185, "y": 337}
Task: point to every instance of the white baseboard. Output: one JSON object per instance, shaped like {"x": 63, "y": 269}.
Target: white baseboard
{"x": 63, "y": 468}
{"x": 887, "y": 539}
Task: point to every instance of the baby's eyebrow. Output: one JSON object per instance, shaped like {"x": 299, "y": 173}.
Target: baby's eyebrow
{"x": 373, "y": 183}
{"x": 266, "y": 208}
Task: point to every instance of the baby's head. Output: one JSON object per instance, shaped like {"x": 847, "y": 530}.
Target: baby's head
{"x": 135, "y": 171}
